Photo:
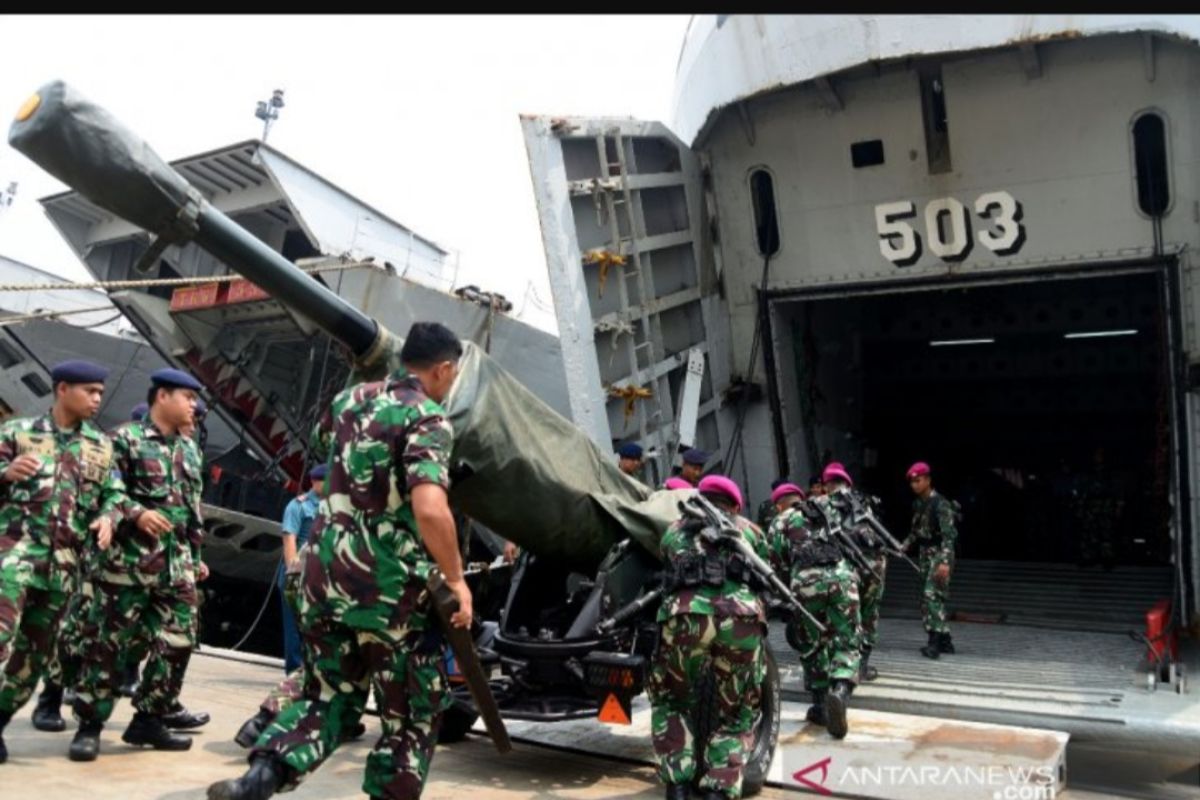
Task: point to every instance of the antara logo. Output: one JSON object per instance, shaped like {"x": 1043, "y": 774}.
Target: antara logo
{"x": 823, "y": 767}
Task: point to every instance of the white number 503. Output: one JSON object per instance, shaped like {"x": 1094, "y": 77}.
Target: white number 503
{"x": 948, "y": 228}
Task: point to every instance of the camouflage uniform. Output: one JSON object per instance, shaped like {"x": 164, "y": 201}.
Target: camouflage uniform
{"x": 870, "y": 590}
{"x": 935, "y": 534}
{"x": 826, "y": 584}
{"x": 870, "y": 585}
{"x": 43, "y": 538}
{"x": 364, "y": 612}
{"x": 291, "y": 688}
{"x": 766, "y": 514}
{"x": 177, "y": 667}
{"x": 145, "y": 585}
{"x": 65, "y": 662}
{"x": 706, "y": 627}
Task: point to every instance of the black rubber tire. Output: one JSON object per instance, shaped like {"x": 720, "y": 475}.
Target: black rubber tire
{"x": 455, "y": 724}
{"x": 766, "y": 734}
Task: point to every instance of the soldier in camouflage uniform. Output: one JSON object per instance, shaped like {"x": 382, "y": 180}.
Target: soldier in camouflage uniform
{"x": 62, "y": 671}
{"x": 178, "y": 717}
{"x": 146, "y": 584}
{"x": 706, "y": 626}
{"x": 816, "y": 487}
{"x": 364, "y": 608}
{"x": 825, "y": 583}
{"x": 291, "y": 688}
{"x": 58, "y": 498}
{"x": 871, "y": 577}
{"x": 934, "y": 532}
{"x": 72, "y": 641}
{"x": 768, "y": 508}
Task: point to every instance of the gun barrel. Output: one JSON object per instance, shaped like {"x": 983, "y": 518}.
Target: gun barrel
{"x": 710, "y": 512}
{"x": 253, "y": 258}
{"x": 89, "y": 150}
{"x": 628, "y": 610}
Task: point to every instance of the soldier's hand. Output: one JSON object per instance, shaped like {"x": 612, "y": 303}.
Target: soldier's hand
{"x": 510, "y": 552}
{"x": 203, "y": 576}
{"x": 462, "y": 592}
{"x": 942, "y": 574}
{"x": 104, "y": 530}
{"x": 22, "y": 467}
{"x": 153, "y": 523}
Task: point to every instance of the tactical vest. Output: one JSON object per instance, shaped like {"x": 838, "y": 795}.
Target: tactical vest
{"x": 935, "y": 519}
{"x": 712, "y": 567}
{"x": 817, "y": 550}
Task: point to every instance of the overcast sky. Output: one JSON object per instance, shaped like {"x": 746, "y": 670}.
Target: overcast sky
{"x": 417, "y": 116}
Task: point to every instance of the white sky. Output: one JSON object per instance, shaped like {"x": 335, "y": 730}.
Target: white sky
{"x": 416, "y": 115}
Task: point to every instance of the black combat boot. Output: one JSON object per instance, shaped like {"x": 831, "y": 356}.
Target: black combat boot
{"x": 71, "y": 667}
{"x": 252, "y": 728}
{"x": 715, "y": 794}
{"x": 678, "y": 791}
{"x": 836, "y": 703}
{"x": 5, "y": 717}
{"x": 150, "y": 729}
{"x": 47, "y": 715}
{"x": 944, "y": 644}
{"x": 266, "y": 774}
{"x": 86, "y": 744}
{"x": 181, "y": 719}
{"x": 865, "y": 671}
{"x": 816, "y": 712}
{"x": 129, "y": 681}
{"x": 931, "y": 650}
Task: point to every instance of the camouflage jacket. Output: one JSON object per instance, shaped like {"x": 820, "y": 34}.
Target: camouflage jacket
{"x": 161, "y": 473}
{"x": 766, "y": 514}
{"x": 196, "y": 457}
{"x": 388, "y": 437}
{"x": 933, "y": 527}
{"x": 794, "y": 542}
{"x": 44, "y": 519}
{"x": 729, "y": 600}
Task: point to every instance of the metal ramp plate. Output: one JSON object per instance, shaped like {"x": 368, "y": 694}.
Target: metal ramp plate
{"x": 1085, "y": 683}
{"x": 892, "y": 756}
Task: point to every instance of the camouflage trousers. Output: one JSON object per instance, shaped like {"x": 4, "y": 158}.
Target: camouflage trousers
{"x": 870, "y": 595}
{"x": 406, "y": 669}
{"x": 64, "y": 665}
{"x": 124, "y": 619}
{"x": 690, "y": 645}
{"x": 29, "y": 619}
{"x": 934, "y": 593}
{"x": 291, "y": 688}
{"x": 831, "y": 595}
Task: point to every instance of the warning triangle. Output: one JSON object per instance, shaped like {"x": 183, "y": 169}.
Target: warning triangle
{"x": 613, "y": 712}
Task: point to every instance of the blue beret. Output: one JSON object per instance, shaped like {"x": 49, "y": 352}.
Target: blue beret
{"x": 630, "y": 450}
{"x": 139, "y": 412}
{"x": 172, "y": 378}
{"x": 318, "y": 472}
{"x": 78, "y": 372}
{"x": 201, "y": 407}
{"x": 695, "y": 456}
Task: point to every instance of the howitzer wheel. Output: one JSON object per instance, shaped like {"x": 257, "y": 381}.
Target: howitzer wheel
{"x": 766, "y": 731}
